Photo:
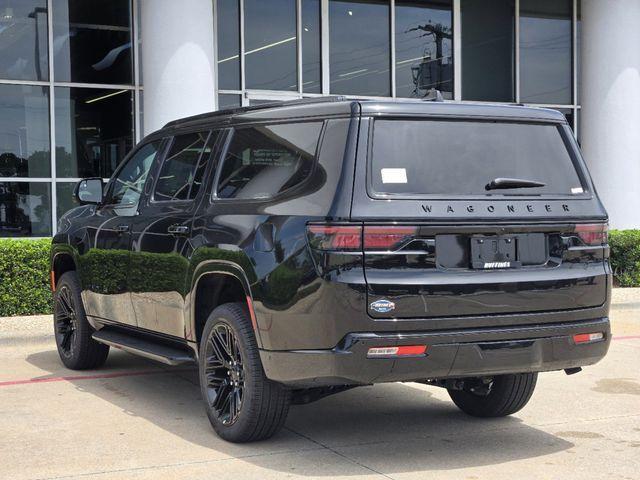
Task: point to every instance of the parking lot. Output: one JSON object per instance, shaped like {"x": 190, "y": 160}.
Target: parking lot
{"x": 135, "y": 419}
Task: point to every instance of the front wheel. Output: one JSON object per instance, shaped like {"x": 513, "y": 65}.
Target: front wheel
{"x": 504, "y": 395}
{"x": 241, "y": 403}
{"x": 77, "y": 350}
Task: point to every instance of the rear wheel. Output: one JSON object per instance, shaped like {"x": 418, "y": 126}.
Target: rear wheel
{"x": 77, "y": 350}
{"x": 242, "y": 404}
{"x": 504, "y": 395}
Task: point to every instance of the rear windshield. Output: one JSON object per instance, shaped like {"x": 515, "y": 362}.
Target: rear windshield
{"x": 454, "y": 157}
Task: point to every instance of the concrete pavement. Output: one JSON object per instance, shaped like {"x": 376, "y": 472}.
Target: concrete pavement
{"x": 135, "y": 419}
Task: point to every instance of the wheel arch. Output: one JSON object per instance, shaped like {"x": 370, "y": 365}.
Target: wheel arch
{"x": 62, "y": 261}
{"x": 214, "y": 283}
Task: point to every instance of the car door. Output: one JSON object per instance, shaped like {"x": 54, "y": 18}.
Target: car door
{"x": 105, "y": 263}
{"x": 161, "y": 234}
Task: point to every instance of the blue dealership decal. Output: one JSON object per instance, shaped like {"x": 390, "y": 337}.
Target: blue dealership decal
{"x": 382, "y": 306}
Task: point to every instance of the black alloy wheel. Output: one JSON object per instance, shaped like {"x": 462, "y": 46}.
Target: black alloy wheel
{"x": 66, "y": 321}
{"x": 224, "y": 372}
{"x": 77, "y": 349}
{"x": 242, "y": 404}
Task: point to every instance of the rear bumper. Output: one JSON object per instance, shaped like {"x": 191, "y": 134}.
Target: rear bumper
{"x": 450, "y": 354}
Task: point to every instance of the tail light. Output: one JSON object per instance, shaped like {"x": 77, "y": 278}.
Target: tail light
{"x": 387, "y": 237}
{"x": 593, "y": 234}
{"x": 335, "y": 237}
{"x": 356, "y": 237}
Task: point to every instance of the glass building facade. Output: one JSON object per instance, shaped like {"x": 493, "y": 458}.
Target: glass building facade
{"x": 513, "y": 51}
{"x": 68, "y": 103}
{"x": 70, "y": 81}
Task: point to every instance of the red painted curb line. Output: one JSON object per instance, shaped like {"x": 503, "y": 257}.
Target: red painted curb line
{"x": 82, "y": 377}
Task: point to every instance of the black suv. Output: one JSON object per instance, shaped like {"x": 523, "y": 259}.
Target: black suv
{"x": 297, "y": 250}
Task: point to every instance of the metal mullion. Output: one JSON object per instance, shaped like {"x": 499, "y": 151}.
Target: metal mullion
{"x": 574, "y": 52}
{"x": 457, "y": 51}
{"x": 26, "y": 179}
{"x": 392, "y": 33}
{"x": 517, "y": 51}
{"x": 214, "y": 6}
{"x": 68, "y": 180}
{"x": 52, "y": 121}
{"x": 136, "y": 69}
{"x": 299, "y": 44}
{"x": 105, "y": 86}
{"x": 35, "y": 83}
{"x": 244, "y": 101}
{"x": 324, "y": 46}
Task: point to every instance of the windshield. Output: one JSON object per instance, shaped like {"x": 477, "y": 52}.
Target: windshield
{"x": 455, "y": 157}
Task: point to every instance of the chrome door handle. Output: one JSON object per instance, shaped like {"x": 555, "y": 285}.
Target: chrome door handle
{"x": 122, "y": 228}
{"x": 178, "y": 230}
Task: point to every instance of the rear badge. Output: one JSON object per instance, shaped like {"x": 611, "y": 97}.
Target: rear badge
{"x": 382, "y": 306}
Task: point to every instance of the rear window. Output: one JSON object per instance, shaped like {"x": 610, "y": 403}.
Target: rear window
{"x": 266, "y": 160}
{"x": 454, "y": 157}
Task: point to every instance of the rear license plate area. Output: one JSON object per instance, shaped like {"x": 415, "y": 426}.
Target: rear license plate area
{"x": 493, "y": 252}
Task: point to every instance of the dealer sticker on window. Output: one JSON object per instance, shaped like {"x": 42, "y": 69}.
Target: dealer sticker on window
{"x": 394, "y": 175}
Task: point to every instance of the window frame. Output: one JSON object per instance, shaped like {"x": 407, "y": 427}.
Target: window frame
{"x": 213, "y": 196}
{"x": 108, "y": 189}
{"x": 170, "y": 141}
{"x": 563, "y": 128}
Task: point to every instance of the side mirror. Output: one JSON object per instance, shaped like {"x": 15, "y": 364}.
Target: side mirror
{"x": 89, "y": 191}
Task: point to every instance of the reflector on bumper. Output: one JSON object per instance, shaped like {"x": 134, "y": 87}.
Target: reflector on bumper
{"x": 406, "y": 350}
{"x": 588, "y": 337}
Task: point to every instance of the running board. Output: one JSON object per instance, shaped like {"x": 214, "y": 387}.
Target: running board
{"x": 143, "y": 347}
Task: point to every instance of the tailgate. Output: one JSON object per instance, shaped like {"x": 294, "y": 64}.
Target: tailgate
{"x": 483, "y": 270}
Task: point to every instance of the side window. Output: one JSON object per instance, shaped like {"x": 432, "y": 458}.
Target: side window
{"x": 265, "y": 160}
{"x": 128, "y": 184}
{"x": 182, "y": 171}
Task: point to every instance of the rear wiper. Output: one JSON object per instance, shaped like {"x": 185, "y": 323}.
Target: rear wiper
{"x": 501, "y": 183}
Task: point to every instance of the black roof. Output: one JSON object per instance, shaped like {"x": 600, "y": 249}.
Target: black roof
{"x": 341, "y": 106}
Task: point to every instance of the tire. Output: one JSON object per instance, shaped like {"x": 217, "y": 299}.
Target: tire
{"x": 242, "y": 404}
{"x": 77, "y": 350}
{"x": 507, "y": 395}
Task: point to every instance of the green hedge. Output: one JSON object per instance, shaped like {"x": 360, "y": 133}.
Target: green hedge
{"x": 625, "y": 257}
{"x": 24, "y": 277}
{"x": 24, "y": 271}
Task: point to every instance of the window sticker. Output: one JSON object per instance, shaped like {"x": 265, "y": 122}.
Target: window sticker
{"x": 577, "y": 190}
{"x": 394, "y": 175}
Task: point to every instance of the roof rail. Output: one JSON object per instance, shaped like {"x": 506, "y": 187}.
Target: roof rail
{"x": 236, "y": 110}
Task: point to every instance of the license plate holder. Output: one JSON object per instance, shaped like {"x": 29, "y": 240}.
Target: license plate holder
{"x": 490, "y": 252}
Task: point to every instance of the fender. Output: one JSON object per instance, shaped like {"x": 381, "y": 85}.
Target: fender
{"x": 58, "y": 249}
{"x": 224, "y": 267}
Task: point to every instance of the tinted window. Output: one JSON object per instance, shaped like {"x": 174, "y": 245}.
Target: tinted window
{"x": 228, "y": 15}
{"x": 94, "y": 130}
{"x": 92, "y": 41}
{"x": 24, "y": 131}
{"x": 359, "y": 47}
{"x": 270, "y": 44}
{"x": 424, "y": 47}
{"x": 23, "y": 40}
{"x": 488, "y": 46}
{"x": 128, "y": 185}
{"x": 545, "y": 51}
{"x": 25, "y": 209}
{"x": 182, "y": 171}
{"x": 311, "y": 63}
{"x": 460, "y": 157}
{"x": 266, "y": 160}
